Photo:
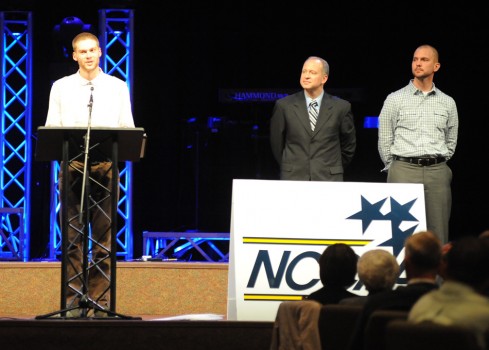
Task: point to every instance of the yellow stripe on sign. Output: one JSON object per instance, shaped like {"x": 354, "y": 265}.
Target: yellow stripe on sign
{"x": 302, "y": 241}
{"x": 280, "y": 297}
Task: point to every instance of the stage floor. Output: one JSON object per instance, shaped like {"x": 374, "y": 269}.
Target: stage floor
{"x": 129, "y": 334}
{"x": 150, "y": 290}
{"x": 174, "y": 306}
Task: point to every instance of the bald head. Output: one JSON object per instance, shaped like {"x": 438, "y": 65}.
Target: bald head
{"x": 434, "y": 51}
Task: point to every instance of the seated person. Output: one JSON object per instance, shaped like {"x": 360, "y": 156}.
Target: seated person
{"x": 484, "y": 234}
{"x": 337, "y": 270}
{"x": 460, "y": 299}
{"x": 378, "y": 271}
{"x": 422, "y": 255}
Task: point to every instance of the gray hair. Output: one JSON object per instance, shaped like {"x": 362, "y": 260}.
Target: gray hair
{"x": 378, "y": 269}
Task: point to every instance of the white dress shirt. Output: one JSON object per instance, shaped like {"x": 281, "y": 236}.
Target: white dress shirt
{"x": 70, "y": 98}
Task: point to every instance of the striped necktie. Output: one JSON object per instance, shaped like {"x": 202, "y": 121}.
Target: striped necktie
{"x": 313, "y": 113}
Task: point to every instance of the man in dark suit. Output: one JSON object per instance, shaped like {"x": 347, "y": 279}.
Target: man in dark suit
{"x": 316, "y": 148}
{"x": 422, "y": 259}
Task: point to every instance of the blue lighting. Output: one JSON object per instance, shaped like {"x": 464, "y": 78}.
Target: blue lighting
{"x": 213, "y": 122}
{"x": 371, "y": 122}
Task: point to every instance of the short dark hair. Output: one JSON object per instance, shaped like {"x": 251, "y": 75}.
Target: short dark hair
{"x": 468, "y": 261}
{"x": 338, "y": 265}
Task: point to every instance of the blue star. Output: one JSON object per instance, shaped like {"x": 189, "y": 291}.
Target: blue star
{"x": 369, "y": 213}
{"x": 397, "y": 215}
{"x": 400, "y": 213}
{"x": 397, "y": 239}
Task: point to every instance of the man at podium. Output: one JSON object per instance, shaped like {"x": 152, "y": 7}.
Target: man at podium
{"x": 89, "y": 98}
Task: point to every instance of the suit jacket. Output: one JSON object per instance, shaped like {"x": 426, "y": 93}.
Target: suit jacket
{"x": 296, "y": 326}
{"x": 319, "y": 155}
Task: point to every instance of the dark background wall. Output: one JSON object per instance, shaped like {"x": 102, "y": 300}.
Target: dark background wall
{"x": 186, "y": 52}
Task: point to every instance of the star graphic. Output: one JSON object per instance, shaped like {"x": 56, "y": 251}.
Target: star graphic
{"x": 369, "y": 213}
{"x": 398, "y": 214}
{"x": 397, "y": 239}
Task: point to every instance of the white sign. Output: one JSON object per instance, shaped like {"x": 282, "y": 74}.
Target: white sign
{"x": 280, "y": 228}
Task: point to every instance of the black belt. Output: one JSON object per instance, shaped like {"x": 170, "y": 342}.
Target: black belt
{"x": 423, "y": 161}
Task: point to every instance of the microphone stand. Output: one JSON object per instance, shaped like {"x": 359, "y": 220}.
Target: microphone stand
{"x": 85, "y": 162}
{"x": 84, "y": 302}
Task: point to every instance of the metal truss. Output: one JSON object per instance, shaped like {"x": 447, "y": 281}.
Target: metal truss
{"x": 15, "y": 138}
{"x": 116, "y": 29}
{"x": 210, "y": 247}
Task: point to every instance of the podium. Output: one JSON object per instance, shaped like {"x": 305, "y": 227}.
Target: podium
{"x": 106, "y": 146}
{"x": 51, "y": 142}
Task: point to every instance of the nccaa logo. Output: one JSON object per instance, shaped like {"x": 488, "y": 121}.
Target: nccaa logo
{"x": 285, "y": 269}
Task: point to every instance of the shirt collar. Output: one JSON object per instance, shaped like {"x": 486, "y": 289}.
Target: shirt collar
{"x": 416, "y": 91}
{"x": 421, "y": 280}
{"x": 318, "y": 99}
{"x": 84, "y": 81}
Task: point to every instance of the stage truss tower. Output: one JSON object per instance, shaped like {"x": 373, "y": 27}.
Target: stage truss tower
{"x": 15, "y": 138}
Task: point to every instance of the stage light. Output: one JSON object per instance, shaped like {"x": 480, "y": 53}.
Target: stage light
{"x": 65, "y": 32}
{"x": 371, "y": 122}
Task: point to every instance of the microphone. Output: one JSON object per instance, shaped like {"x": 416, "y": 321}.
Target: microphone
{"x": 90, "y": 102}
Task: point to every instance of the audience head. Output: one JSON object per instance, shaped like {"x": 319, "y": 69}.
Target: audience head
{"x": 468, "y": 262}
{"x": 484, "y": 234}
{"x": 442, "y": 271}
{"x": 422, "y": 255}
{"x": 378, "y": 270}
{"x": 338, "y": 265}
